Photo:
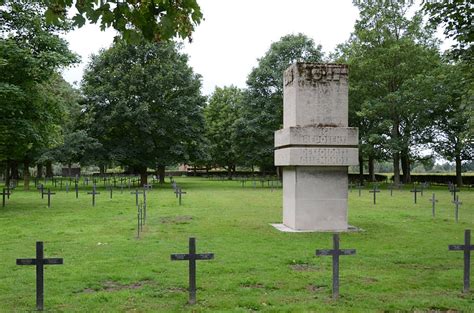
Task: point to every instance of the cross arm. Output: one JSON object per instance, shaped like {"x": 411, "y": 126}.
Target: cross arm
{"x": 460, "y": 247}
{"x": 53, "y": 261}
{"x": 334, "y": 252}
{"x": 25, "y": 261}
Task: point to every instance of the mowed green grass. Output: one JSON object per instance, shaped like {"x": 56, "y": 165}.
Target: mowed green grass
{"x": 402, "y": 261}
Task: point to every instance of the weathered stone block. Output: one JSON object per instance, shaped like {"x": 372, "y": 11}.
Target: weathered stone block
{"x": 316, "y": 156}
{"x": 317, "y": 136}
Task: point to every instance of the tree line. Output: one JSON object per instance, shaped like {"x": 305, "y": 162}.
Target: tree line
{"x": 140, "y": 103}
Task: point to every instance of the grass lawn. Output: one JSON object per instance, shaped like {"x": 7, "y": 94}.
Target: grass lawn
{"x": 402, "y": 261}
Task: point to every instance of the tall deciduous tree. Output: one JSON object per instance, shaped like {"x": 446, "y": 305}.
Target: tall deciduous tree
{"x": 31, "y": 54}
{"x": 144, "y": 105}
{"x": 221, "y": 114}
{"x": 386, "y": 49}
{"x": 262, "y": 108}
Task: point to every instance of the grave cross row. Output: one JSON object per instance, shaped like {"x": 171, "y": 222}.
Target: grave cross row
{"x": 192, "y": 257}
{"x": 466, "y": 248}
{"x": 335, "y": 252}
{"x": 40, "y": 261}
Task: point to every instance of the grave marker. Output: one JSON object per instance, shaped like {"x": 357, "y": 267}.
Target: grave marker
{"x": 457, "y": 203}
{"x": 192, "y": 257}
{"x": 179, "y": 192}
{"x": 335, "y": 252}
{"x": 360, "y": 186}
{"x": 76, "y": 187}
{"x": 374, "y": 191}
{"x": 41, "y": 190}
{"x": 433, "y": 201}
{"x": 466, "y": 248}
{"x": 49, "y": 193}
{"x": 5, "y": 193}
{"x": 136, "y": 196}
{"x": 39, "y": 262}
{"x": 415, "y": 191}
{"x": 93, "y": 193}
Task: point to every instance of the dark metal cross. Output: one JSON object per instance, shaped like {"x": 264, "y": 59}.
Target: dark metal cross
{"x": 467, "y": 248}
{"x": 350, "y": 186}
{"x": 76, "y": 187}
{"x": 136, "y": 196}
{"x": 374, "y": 191}
{"x": 360, "y": 186}
{"x": 110, "y": 188}
{"x": 457, "y": 203}
{"x": 41, "y": 189}
{"x": 5, "y": 193}
{"x": 49, "y": 193}
{"x": 453, "y": 191}
{"x": 336, "y": 252}
{"x": 93, "y": 193}
{"x": 433, "y": 201}
{"x": 192, "y": 257}
{"x": 178, "y": 193}
{"x": 40, "y": 261}
{"x": 391, "y": 186}
{"x": 415, "y": 191}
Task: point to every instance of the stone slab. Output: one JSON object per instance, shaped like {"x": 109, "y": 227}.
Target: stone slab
{"x": 337, "y": 156}
{"x": 315, "y": 95}
{"x": 315, "y": 198}
{"x": 317, "y": 136}
{"x": 285, "y": 229}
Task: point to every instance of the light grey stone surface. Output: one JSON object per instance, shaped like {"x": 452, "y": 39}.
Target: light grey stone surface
{"x": 317, "y": 136}
{"x": 315, "y": 147}
{"x": 316, "y": 156}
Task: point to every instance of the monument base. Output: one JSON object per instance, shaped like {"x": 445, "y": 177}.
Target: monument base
{"x": 315, "y": 198}
{"x": 285, "y": 229}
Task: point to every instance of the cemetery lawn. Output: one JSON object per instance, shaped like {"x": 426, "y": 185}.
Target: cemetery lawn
{"x": 402, "y": 261}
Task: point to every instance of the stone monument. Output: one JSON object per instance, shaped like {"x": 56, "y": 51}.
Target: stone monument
{"x": 315, "y": 147}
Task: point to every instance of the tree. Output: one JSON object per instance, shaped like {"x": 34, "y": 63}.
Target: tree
{"x": 456, "y": 17}
{"x": 385, "y": 50}
{"x": 143, "y": 104}
{"x": 454, "y": 134}
{"x": 262, "y": 108}
{"x": 153, "y": 20}
{"x": 220, "y": 115}
{"x": 31, "y": 54}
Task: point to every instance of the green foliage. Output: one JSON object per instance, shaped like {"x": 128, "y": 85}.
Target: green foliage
{"x": 143, "y": 104}
{"x": 31, "y": 54}
{"x": 151, "y": 19}
{"x": 262, "y": 110}
{"x": 221, "y": 114}
{"x": 385, "y": 52}
{"x": 456, "y": 17}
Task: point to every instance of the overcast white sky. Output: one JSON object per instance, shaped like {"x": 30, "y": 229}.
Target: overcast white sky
{"x": 234, "y": 34}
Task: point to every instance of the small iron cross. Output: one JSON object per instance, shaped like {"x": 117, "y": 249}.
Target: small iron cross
{"x": 111, "y": 190}
{"x": 192, "y": 257}
{"x": 49, "y": 193}
{"x": 433, "y": 201}
{"x": 453, "y": 191}
{"x": 391, "y": 187}
{"x": 374, "y": 191}
{"x": 415, "y": 191}
{"x": 41, "y": 190}
{"x": 457, "y": 203}
{"x": 467, "y": 248}
{"x": 76, "y": 187}
{"x": 5, "y": 193}
{"x": 336, "y": 252}
{"x": 40, "y": 261}
{"x": 178, "y": 193}
{"x": 360, "y": 186}
{"x": 93, "y": 193}
{"x": 136, "y": 196}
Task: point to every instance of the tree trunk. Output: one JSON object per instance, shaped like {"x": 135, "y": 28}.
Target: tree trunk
{"x": 161, "y": 173}
{"x": 102, "y": 170}
{"x": 406, "y": 167}
{"x": 371, "y": 168}
{"x": 69, "y": 169}
{"x": 143, "y": 176}
{"x": 396, "y": 154}
{"x": 26, "y": 175}
{"x": 361, "y": 168}
{"x": 229, "y": 172}
{"x": 14, "y": 170}
{"x": 49, "y": 169}
{"x": 39, "y": 170}
{"x": 458, "y": 171}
